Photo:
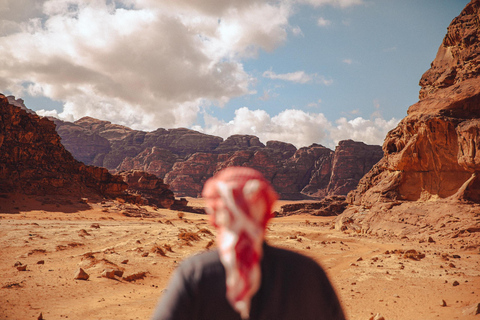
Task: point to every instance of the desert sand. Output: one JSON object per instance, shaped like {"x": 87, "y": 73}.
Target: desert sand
{"x": 372, "y": 275}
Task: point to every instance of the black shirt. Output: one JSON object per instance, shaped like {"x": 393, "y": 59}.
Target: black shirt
{"x": 293, "y": 287}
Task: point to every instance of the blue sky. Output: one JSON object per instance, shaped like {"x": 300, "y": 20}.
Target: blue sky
{"x": 304, "y": 71}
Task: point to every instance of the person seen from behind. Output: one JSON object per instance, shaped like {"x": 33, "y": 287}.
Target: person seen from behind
{"x": 245, "y": 278}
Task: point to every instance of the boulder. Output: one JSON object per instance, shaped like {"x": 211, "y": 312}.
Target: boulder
{"x": 108, "y": 273}
{"x": 80, "y": 274}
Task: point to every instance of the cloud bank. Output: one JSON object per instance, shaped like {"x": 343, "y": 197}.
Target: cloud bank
{"x": 145, "y": 64}
{"x": 149, "y": 64}
{"x": 299, "y": 128}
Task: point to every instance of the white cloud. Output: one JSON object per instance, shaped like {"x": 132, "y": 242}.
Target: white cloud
{"x": 298, "y": 77}
{"x": 391, "y": 49}
{"x": 359, "y": 129}
{"x": 322, "y": 22}
{"x": 146, "y": 64}
{"x": 149, "y": 63}
{"x": 347, "y": 61}
{"x": 297, "y": 31}
{"x": 314, "y": 104}
{"x": 336, "y": 3}
{"x": 294, "y": 126}
{"x": 299, "y": 128}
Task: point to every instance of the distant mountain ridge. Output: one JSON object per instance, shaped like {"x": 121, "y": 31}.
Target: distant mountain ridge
{"x": 185, "y": 158}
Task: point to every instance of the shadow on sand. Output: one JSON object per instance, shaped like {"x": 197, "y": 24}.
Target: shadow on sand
{"x": 20, "y": 203}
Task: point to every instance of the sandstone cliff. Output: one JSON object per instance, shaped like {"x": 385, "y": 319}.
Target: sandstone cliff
{"x": 434, "y": 152}
{"x": 185, "y": 159}
{"x": 33, "y": 161}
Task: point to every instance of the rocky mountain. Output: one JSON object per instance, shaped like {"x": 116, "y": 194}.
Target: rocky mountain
{"x": 185, "y": 159}
{"x": 433, "y": 155}
{"x": 434, "y": 151}
{"x": 33, "y": 161}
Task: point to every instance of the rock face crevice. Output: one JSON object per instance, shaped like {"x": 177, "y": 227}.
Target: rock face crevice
{"x": 434, "y": 151}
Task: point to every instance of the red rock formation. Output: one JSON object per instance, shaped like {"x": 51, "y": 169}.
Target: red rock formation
{"x": 87, "y": 146}
{"x": 305, "y": 170}
{"x": 105, "y": 129}
{"x": 239, "y": 142}
{"x": 153, "y": 160}
{"x": 434, "y": 151}
{"x": 329, "y": 206}
{"x": 352, "y": 160}
{"x": 458, "y": 56}
{"x": 186, "y": 158}
{"x": 33, "y": 161}
{"x": 151, "y": 189}
{"x": 286, "y": 150}
{"x": 187, "y": 177}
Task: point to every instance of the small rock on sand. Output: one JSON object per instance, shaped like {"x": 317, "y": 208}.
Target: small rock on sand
{"x": 119, "y": 273}
{"x": 472, "y": 310}
{"x": 124, "y": 261}
{"x": 41, "y": 262}
{"x": 135, "y": 276}
{"x": 83, "y": 233}
{"x": 378, "y": 316}
{"x": 108, "y": 273}
{"x": 22, "y": 268}
{"x": 80, "y": 274}
{"x": 444, "y": 303}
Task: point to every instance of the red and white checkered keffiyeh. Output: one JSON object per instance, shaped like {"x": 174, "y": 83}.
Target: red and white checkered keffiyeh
{"x": 239, "y": 201}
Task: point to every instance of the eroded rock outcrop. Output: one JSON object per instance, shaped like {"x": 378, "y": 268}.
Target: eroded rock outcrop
{"x": 351, "y": 161}
{"x": 458, "y": 56}
{"x": 328, "y": 206}
{"x": 149, "y": 187}
{"x": 433, "y": 152}
{"x": 431, "y": 163}
{"x": 33, "y": 161}
{"x": 185, "y": 159}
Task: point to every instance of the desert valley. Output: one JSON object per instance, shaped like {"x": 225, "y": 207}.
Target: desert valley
{"x": 95, "y": 217}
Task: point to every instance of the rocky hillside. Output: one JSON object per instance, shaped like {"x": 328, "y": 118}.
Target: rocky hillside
{"x": 433, "y": 155}
{"x": 434, "y": 151}
{"x": 33, "y": 161}
{"x": 185, "y": 159}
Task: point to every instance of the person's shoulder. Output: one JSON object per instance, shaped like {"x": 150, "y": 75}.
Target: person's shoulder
{"x": 201, "y": 262}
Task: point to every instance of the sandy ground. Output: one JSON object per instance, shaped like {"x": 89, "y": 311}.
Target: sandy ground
{"x": 371, "y": 274}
